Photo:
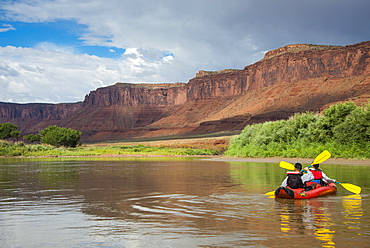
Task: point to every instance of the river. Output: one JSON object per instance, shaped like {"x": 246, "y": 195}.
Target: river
{"x": 173, "y": 202}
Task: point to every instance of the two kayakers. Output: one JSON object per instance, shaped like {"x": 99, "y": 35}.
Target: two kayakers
{"x": 305, "y": 186}
{"x": 310, "y": 180}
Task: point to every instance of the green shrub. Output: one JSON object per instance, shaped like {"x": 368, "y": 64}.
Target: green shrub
{"x": 8, "y": 130}
{"x": 343, "y": 128}
{"x": 59, "y": 136}
{"x": 354, "y": 128}
{"x": 32, "y": 138}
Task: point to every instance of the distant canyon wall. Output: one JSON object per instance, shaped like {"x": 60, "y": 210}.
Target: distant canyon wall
{"x": 295, "y": 78}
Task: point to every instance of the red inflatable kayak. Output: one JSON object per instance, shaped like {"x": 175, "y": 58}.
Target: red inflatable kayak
{"x": 300, "y": 193}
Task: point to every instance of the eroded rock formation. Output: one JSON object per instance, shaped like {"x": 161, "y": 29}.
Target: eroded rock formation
{"x": 295, "y": 78}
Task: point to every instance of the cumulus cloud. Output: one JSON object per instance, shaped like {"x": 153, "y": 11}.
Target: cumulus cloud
{"x": 165, "y": 41}
{"x": 53, "y": 75}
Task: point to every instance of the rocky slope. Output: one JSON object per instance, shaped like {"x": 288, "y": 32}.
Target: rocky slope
{"x": 294, "y": 78}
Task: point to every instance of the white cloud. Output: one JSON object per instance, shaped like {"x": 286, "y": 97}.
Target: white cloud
{"x": 48, "y": 46}
{"x": 6, "y": 28}
{"x": 28, "y": 75}
{"x": 165, "y": 41}
{"x": 18, "y": 87}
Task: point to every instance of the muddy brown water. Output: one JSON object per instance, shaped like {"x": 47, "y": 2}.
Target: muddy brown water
{"x": 173, "y": 202}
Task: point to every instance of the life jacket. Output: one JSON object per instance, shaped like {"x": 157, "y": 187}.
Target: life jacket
{"x": 317, "y": 175}
{"x": 294, "y": 180}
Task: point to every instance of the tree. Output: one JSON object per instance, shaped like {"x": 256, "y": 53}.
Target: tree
{"x": 336, "y": 114}
{"x": 59, "y": 136}
{"x": 32, "y": 138}
{"x": 9, "y": 130}
{"x": 355, "y": 128}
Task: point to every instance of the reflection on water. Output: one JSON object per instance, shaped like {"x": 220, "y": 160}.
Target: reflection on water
{"x": 162, "y": 202}
{"x": 321, "y": 217}
{"x": 323, "y": 223}
{"x": 307, "y": 217}
{"x": 352, "y": 205}
{"x": 316, "y": 215}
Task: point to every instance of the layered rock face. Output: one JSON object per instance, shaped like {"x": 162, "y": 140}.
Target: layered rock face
{"x": 33, "y": 117}
{"x": 295, "y": 78}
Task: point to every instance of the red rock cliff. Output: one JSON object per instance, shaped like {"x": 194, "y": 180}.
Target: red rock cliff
{"x": 33, "y": 117}
{"x": 295, "y": 78}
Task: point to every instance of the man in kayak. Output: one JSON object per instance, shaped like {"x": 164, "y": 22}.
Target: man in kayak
{"x": 295, "y": 179}
{"x": 316, "y": 175}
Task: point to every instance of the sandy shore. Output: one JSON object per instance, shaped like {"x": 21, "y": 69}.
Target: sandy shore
{"x": 290, "y": 160}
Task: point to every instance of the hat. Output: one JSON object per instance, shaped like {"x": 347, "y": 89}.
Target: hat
{"x": 316, "y": 165}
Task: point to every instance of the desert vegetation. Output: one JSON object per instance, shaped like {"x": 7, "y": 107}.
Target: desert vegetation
{"x": 50, "y": 137}
{"x": 8, "y": 130}
{"x": 35, "y": 150}
{"x": 344, "y": 129}
{"x": 57, "y": 141}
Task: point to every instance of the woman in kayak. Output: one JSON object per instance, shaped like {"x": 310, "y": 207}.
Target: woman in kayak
{"x": 316, "y": 175}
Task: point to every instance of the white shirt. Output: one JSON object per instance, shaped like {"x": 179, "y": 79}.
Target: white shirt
{"x": 325, "y": 178}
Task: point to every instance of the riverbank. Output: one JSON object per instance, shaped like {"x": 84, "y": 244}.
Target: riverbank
{"x": 210, "y": 148}
{"x": 290, "y": 160}
{"x": 221, "y": 158}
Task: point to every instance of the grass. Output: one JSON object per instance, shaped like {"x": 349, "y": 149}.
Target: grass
{"x": 183, "y": 147}
{"x": 206, "y": 146}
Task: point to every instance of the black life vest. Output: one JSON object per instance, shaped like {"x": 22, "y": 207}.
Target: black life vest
{"x": 294, "y": 180}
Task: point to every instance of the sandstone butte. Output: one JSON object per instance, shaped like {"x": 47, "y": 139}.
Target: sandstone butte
{"x": 288, "y": 80}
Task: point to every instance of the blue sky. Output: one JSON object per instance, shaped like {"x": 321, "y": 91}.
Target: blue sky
{"x": 60, "y": 50}
{"x": 61, "y": 33}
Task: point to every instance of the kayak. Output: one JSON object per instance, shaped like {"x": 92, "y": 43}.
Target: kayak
{"x": 300, "y": 193}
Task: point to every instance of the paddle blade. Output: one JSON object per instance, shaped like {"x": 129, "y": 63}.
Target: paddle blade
{"x": 322, "y": 157}
{"x": 270, "y": 193}
{"x": 351, "y": 187}
{"x": 286, "y": 165}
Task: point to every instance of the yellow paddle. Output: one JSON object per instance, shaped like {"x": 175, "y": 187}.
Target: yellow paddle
{"x": 286, "y": 165}
{"x": 351, "y": 187}
{"x": 322, "y": 157}
{"x": 270, "y": 193}
{"x": 318, "y": 160}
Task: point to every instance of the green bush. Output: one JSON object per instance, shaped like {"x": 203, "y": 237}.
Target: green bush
{"x": 32, "y": 138}
{"x": 59, "y": 136}
{"x": 8, "y": 130}
{"x": 343, "y": 128}
{"x": 355, "y": 128}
